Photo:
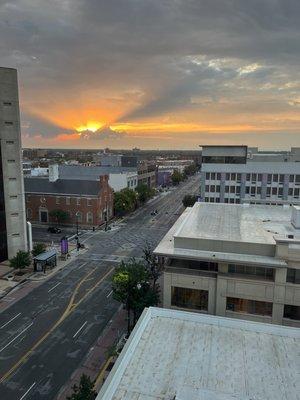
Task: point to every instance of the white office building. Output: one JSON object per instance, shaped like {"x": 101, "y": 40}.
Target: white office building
{"x": 12, "y": 205}
{"x": 233, "y": 174}
{"x": 239, "y": 261}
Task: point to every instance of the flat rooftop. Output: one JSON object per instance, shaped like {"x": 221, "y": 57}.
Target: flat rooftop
{"x": 237, "y": 233}
{"x": 238, "y": 223}
{"x": 186, "y": 356}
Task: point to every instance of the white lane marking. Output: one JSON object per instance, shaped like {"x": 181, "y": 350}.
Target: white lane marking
{"x": 8, "y": 322}
{"x": 15, "y": 338}
{"x": 59, "y": 283}
{"x": 109, "y": 293}
{"x": 28, "y": 391}
{"x": 81, "y": 266}
{"x": 80, "y": 329}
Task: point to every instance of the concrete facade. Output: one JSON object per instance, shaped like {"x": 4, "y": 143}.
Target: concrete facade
{"x": 238, "y": 261}
{"x": 12, "y": 175}
{"x": 255, "y": 181}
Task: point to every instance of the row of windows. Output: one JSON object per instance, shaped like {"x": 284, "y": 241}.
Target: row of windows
{"x": 254, "y": 190}
{"x": 68, "y": 201}
{"x": 253, "y": 177}
{"x": 195, "y": 299}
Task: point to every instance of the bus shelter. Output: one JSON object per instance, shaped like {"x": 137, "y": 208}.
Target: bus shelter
{"x": 44, "y": 260}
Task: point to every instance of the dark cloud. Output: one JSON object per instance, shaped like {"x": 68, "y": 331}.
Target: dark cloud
{"x": 167, "y": 52}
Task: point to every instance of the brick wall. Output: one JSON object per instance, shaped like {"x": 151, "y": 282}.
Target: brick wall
{"x": 91, "y": 208}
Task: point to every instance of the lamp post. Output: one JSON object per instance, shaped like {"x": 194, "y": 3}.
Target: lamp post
{"x": 77, "y": 232}
{"x": 106, "y": 218}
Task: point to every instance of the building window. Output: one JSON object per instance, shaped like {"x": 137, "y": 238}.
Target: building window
{"x": 291, "y": 312}
{"x": 13, "y": 197}
{"x": 10, "y": 142}
{"x": 296, "y": 193}
{"x": 281, "y": 178}
{"x": 207, "y": 188}
{"x": 253, "y": 190}
{"x": 29, "y": 213}
{"x": 78, "y": 201}
{"x": 259, "y": 272}
{"x": 68, "y": 201}
{"x": 212, "y": 188}
{"x": 226, "y": 189}
{"x": 57, "y": 200}
{"x": 15, "y": 234}
{"x": 293, "y": 275}
{"x": 247, "y": 190}
{"x": 11, "y": 161}
{"x": 237, "y": 189}
{"x": 218, "y": 176}
{"x": 290, "y": 191}
{"x": 239, "y": 176}
{"x": 232, "y": 189}
{"x": 89, "y": 217}
{"x": 79, "y": 216}
{"x": 233, "y": 177}
{"x": 248, "y": 306}
{"x": 12, "y": 179}
{"x": 8, "y": 123}
{"x": 7, "y": 103}
{"x": 292, "y": 178}
{"x": 207, "y": 176}
{"x": 274, "y": 191}
{"x": 89, "y": 202}
{"x": 269, "y": 180}
{"x": 227, "y": 177}
{"x": 213, "y": 176}
{"x": 248, "y": 176}
{"x": 189, "y": 298}
{"x": 275, "y": 178}
{"x": 259, "y": 177}
{"x": 297, "y": 180}
{"x": 268, "y": 191}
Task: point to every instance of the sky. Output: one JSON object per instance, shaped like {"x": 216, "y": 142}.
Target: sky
{"x": 155, "y": 73}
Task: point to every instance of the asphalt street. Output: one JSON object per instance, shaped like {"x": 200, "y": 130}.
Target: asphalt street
{"x": 45, "y": 336}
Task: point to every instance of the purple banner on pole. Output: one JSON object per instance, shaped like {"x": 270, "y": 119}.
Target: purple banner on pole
{"x": 64, "y": 246}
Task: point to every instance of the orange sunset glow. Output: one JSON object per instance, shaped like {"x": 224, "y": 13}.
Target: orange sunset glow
{"x": 171, "y": 76}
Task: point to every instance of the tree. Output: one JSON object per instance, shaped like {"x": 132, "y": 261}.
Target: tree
{"x": 21, "y": 260}
{"x": 85, "y": 390}
{"x": 60, "y": 216}
{"x": 190, "y": 170}
{"x": 152, "y": 264}
{"x": 189, "y": 200}
{"x": 176, "y": 177}
{"x": 38, "y": 248}
{"x": 124, "y": 201}
{"x": 144, "y": 192}
{"x": 131, "y": 286}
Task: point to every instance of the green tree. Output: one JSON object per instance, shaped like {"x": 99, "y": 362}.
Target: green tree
{"x": 21, "y": 260}
{"x": 131, "y": 286}
{"x": 60, "y": 216}
{"x": 190, "y": 170}
{"x": 189, "y": 200}
{"x": 85, "y": 390}
{"x": 144, "y": 192}
{"x": 38, "y": 248}
{"x": 176, "y": 177}
{"x": 124, "y": 201}
{"x": 152, "y": 264}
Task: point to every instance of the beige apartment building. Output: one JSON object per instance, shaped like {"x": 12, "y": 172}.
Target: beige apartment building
{"x": 233, "y": 260}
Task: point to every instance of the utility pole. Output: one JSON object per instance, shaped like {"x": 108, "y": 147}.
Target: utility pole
{"x": 77, "y": 232}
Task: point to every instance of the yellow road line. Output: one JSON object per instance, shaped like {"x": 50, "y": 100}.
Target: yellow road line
{"x": 101, "y": 373}
{"x": 70, "y": 308}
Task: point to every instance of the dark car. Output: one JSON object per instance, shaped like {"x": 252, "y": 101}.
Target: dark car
{"x": 53, "y": 229}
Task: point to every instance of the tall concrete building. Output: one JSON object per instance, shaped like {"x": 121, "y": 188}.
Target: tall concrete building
{"x": 12, "y": 199}
{"x": 235, "y": 174}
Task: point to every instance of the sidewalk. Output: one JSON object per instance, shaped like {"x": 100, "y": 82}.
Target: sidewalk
{"x": 96, "y": 359}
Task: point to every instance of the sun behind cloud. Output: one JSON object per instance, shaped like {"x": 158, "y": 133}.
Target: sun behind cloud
{"x": 91, "y": 126}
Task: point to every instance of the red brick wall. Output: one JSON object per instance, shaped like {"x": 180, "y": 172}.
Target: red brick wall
{"x": 93, "y": 204}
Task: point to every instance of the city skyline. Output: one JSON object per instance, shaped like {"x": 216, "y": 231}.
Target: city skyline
{"x": 160, "y": 74}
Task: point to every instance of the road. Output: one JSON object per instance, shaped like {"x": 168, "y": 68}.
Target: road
{"x": 45, "y": 335}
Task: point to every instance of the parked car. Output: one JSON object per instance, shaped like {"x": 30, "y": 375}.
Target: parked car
{"x": 54, "y": 229}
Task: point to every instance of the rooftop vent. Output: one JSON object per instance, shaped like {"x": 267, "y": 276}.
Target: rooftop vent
{"x": 296, "y": 217}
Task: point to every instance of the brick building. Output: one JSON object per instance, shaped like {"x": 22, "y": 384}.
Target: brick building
{"x": 90, "y": 200}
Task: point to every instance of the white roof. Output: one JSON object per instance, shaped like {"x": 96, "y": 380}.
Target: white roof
{"x": 237, "y": 222}
{"x": 187, "y": 356}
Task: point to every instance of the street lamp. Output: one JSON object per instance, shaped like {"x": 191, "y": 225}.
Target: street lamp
{"x": 77, "y": 232}
{"x": 106, "y": 217}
